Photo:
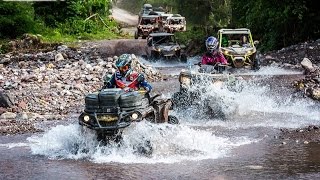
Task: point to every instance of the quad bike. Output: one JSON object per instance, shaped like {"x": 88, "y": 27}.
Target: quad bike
{"x": 194, "y": 91}
{"x": 109, "y": 111}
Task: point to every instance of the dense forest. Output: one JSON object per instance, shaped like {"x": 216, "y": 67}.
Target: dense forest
{"x": 275, "y": 23}
{"x": 76, "y": 19}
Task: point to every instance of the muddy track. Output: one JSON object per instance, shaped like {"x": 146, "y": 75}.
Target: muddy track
{"x": 124, "y": 17}
{"x": 109, "y": 48}
{"x": 116, "y": 47}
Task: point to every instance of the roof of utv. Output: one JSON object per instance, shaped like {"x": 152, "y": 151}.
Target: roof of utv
{"x": 235, "y": 31}
{"x": 160, "y": 34}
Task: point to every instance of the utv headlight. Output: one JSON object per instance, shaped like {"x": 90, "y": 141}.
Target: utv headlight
{"x": 226, "y": 52}
{"x": 249, "y": 52}
{"x": 86, "y": 118}
{"x": 157, "y": 49}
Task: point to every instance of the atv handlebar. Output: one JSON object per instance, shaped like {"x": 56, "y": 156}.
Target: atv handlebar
{"x": 217, "y": 64}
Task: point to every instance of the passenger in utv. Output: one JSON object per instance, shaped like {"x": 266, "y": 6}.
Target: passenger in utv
{"x": 125, "y": 77}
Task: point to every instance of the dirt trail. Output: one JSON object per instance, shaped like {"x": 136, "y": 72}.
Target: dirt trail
{"x": 124, "y": 16}
{"x": 128, "y": 22}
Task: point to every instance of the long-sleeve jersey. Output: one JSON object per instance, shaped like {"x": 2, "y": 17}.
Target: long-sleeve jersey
{"x": 133, "y": 80}
{"x": 213, "y": 58}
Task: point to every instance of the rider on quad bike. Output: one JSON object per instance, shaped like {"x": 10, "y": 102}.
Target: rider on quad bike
{"x": 213, "y": 56}
{"x": 125, "y": 77}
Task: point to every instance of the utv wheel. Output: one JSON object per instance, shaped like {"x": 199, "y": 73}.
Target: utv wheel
{"x": 256, "y": 64}
{"x": 154, "y": 56}
{"x": 173, "y": 120}
{"x": 183, "y": 58}
{"x": 136, "y": 35}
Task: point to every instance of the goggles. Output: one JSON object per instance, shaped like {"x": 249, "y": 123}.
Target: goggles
{"x": 212, "y": 46}
{"x": 124, "y": 68}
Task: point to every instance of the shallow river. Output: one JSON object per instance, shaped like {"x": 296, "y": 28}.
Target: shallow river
{"x": 244, "y": 146}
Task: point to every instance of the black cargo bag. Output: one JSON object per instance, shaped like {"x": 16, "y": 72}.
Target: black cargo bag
{"x": 131, "y": 99}
{"x": 92, "y": 102}
{"x": 109, "y": 97}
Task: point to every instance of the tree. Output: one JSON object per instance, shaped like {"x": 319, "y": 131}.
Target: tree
{"x": 16, "y": 18}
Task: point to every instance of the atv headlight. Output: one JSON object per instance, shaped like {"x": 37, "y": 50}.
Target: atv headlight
{"x": 86, "y": 118}
{"x": 134, "y": 116}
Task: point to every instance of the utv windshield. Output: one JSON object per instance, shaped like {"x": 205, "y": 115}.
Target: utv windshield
{"x": 175, "y": 21}
{"x": 164, "y": 40}
{"x": 235, "y": 40}
{"x": 148, "y": 21}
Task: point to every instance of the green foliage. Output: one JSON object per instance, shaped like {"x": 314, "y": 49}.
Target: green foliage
{"x": 60, "y": 20}
{"x": 55, "y": 13}
{"x": 16, "y": 18}
{"x": 278, "y": 23}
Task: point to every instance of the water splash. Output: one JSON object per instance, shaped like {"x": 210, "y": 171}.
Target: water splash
{"x": 253, "y": 105}
{"x": 171, "y": 143}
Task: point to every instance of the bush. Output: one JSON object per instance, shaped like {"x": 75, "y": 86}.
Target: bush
{"x": 16, "y": 18}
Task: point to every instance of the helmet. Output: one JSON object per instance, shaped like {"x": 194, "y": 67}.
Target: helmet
{"x": 124, "y": 63}
{"x": 212, "y": 43}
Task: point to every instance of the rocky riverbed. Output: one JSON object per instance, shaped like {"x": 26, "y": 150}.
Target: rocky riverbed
{"x": 51, "y": 84}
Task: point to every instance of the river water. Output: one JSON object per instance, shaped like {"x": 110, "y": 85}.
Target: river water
{"x": 244, "y": 146}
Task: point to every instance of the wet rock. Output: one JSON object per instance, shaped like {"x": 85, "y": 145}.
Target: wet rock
{"x": 4, "y": 61}
{"x": 22, "y": 105}
{"x": 8, "y": 115}
{"x": 62, "y": 48}
{"x": 24, "y": 116}
{"x": 89, "y": 77}
{"x": 307, "y": 64}
{"x": 6, "y": 100}
{"x": 58, "y": 57}
{"x": 315, "y": 93}
{"x": 2, "y": 110}
{"x": 109, "y": 59}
